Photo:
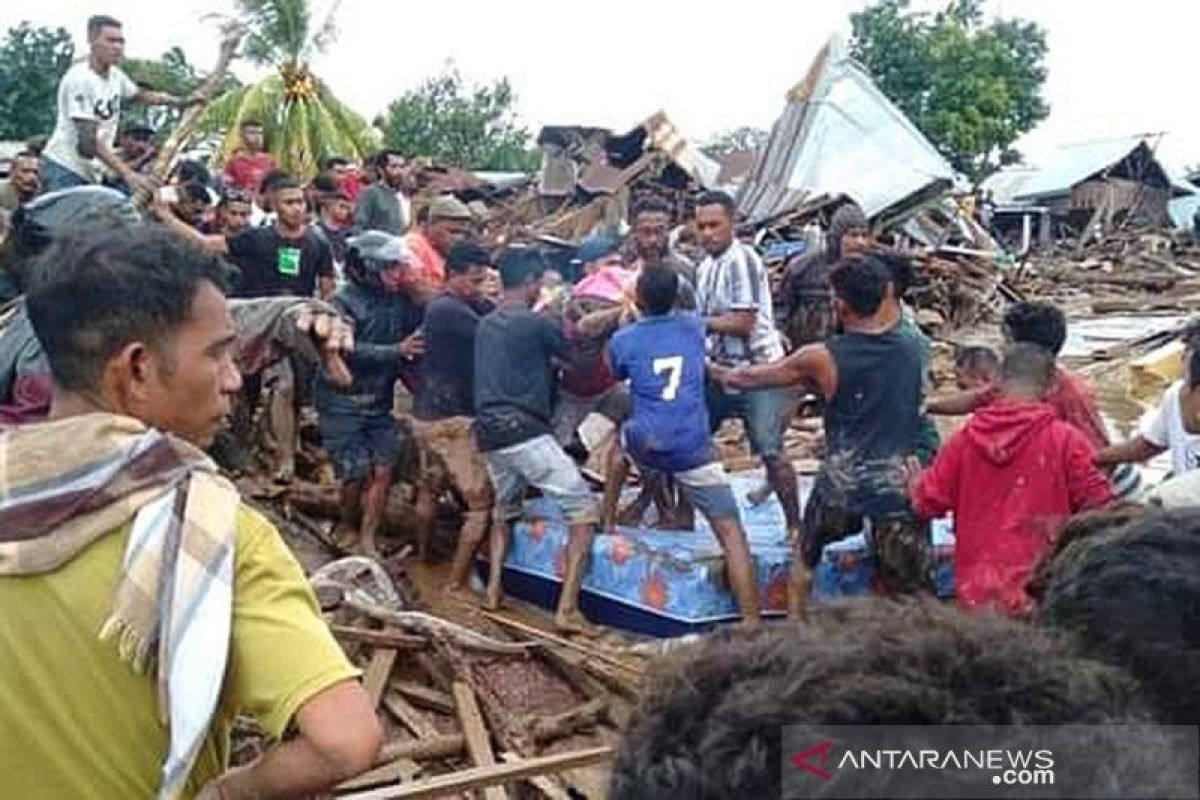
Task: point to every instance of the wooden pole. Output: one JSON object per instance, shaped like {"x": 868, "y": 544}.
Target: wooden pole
{"x": 482, "y": 777}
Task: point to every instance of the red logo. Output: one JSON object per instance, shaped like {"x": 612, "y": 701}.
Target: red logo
{"x": 821, "y": 751}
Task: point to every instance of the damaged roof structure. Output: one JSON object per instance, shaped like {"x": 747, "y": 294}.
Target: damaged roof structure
{"x": 839, "y": 136}
{"x": 1093, "y": 183}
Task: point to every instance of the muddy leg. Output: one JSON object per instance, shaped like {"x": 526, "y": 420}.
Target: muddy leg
{"x": 740, "y": 564}
{"x": 375, "y": 501}
{"x": 474, "y": 531}
{"x": 568, "y": 617}
{"x": 497, "y": 550}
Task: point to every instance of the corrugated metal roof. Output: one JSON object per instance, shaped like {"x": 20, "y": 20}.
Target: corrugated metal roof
{"x": 840, "y": 135}
{"x": 1067, "y": 166}
{"x": 1182, "y": 210}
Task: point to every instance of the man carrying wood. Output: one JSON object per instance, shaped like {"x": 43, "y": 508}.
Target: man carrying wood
{"x": 174, "y": 606}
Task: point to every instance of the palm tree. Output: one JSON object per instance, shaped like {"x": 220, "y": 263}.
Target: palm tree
{"x": 302, "y": 120}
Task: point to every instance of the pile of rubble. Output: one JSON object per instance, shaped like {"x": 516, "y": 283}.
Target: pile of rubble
{"x": 469, "y": 700}
{"x": 1133, "y": 270}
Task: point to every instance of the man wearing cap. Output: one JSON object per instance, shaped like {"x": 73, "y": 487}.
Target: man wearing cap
{"x": 136, "y": 151}
{"x": 446, "y": 220}
{"x": 356, "y": 423}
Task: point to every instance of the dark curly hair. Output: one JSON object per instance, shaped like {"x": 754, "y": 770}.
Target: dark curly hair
{"x": 1127, "y": 587}
{"x": 709, "y": 725}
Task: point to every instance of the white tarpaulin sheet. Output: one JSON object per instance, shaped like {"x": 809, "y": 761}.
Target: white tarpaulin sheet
{"x": 840, "y": 135}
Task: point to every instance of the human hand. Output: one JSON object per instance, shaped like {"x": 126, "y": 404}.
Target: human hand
{"x": 334, "y": 338}
{"x": 413, "y": 346}
{"x": 193, "y": 99}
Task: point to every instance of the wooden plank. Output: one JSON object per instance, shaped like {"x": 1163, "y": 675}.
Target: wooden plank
{"x": 444, "y": 746}
{"x": 544, "y": 784}
{"x": 408, "y": 716}
{"x": 423, "y": 696}
{"x": 479, "y": 745}
{"x": 398, "y": 641}
{"x": 378, "y": 671}
{"x": 399, "y": 771}
{"x": 546, "y": 636}
{"x": 482, "y": 777}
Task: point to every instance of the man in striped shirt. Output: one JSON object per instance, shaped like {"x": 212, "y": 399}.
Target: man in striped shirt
{"x": 733, "y": 295}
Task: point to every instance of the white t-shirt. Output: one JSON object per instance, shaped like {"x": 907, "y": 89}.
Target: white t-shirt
{"x": 82, "y": 94}
{"x": 736, "y": 280}
{"x": 1164, "y": 428}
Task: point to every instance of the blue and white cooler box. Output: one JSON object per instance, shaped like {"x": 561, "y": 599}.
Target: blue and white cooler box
{"x": 670, "y": 583}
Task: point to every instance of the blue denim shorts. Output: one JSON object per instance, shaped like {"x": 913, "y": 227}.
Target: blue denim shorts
{"x": 356, "y": 442}
{"x": 766, "y": 413}
{"x": 540, "y": 462}
{"x": 56, "y": 177}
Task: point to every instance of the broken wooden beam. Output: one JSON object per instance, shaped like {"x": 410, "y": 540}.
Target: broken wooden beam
{"x": 483, "y": 777}
{"x": 555, "y": 639}
{"x": 444, "y": 746}
{"x": 479, "y": 745}
{"x": 398, "y": 771}
{"x": 379, "y": 669}
{"x": 545, "y": 728}
{"x": 423, "y": 696}
{"x": 398, "y": 641}
{"x": 408, "y": 716}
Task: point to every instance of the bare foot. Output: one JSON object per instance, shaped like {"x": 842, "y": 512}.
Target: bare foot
{"x": 575, "y": 623}
{"x": 458, "y": 594}
{"x": 493, "y": 600}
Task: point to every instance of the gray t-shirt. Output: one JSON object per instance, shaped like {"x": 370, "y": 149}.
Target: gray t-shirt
{"x": 85, "y": 95}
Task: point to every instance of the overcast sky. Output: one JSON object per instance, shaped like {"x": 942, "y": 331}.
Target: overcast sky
{"x": 1116, "y": 67}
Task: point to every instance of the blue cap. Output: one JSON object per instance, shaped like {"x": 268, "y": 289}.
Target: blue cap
{"x": 596, "y": 247}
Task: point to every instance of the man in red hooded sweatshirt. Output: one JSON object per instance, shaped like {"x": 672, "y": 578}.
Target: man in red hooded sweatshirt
{"x": 1012, "y": 477}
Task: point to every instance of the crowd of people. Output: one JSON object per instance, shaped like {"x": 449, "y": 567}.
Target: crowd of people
{"x": 512, "y": 364}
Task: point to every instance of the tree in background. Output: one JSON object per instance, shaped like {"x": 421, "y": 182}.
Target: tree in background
{"x": 172, "y": 73}
{"x": 744, "y": 138}
{"x": 303, "y": 121}
{"x": 32, "y": 60}
{"x": 472, "y": 127}
{"x": 972, "y": 87}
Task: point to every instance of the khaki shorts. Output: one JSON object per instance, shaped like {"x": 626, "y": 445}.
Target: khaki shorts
{"x": 450, "y": 444}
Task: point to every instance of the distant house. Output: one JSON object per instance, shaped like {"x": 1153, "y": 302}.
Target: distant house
{"x": 1089, "y": 186}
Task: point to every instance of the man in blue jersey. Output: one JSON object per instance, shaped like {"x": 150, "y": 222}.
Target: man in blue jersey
{"x": 662, "y": 357}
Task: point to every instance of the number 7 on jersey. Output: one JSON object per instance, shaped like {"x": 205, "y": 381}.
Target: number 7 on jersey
{"x": 673, "y": 366}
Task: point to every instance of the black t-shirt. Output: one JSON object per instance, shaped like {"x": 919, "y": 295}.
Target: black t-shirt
{"x": 272, "y": 265}
{"x": 515, "y": 376}
{"x": 448, "y": 368}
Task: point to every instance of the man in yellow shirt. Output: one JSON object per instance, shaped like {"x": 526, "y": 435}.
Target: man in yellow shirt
{"x": 142, "y": 606}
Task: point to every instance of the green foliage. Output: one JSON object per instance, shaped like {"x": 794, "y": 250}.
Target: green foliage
{"x": 972, "y": 88}
{"x": 172, "y": 73}
{"x": 472, "y": 127}
{"x": 32, "y": 60}
{"x": 302, "y": 119}
{"x": 744, "y": 138}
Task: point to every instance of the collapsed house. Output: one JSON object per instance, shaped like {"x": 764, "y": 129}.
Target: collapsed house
{"x": 1083, "y": 190}
{"x": 840, "y": 137}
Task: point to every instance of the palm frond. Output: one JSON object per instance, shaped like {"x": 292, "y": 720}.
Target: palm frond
{"x": 278, "y": 29}
{"x": 363, "y": 138}
{"x": 294, "y": 152}
{"x": 327, "y": 34}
